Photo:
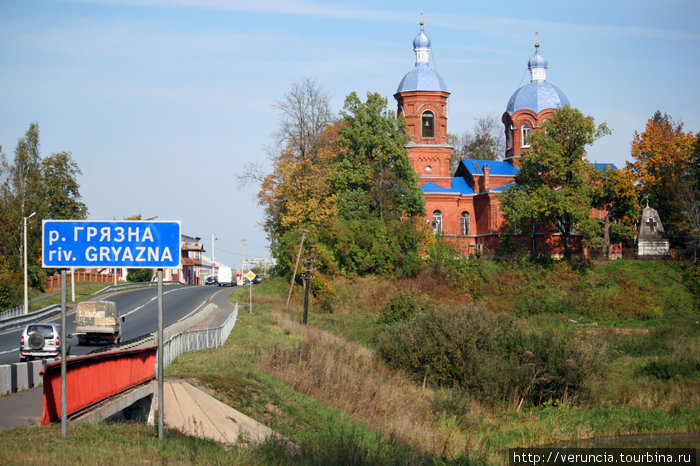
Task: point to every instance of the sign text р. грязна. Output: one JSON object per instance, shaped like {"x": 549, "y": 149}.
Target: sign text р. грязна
{"x": 133, "y": 244}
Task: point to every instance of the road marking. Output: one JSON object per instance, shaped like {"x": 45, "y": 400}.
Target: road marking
{"x": 10, "y": 351}
{"x": 195, "y": 311}
{"x": 138, "y": 308}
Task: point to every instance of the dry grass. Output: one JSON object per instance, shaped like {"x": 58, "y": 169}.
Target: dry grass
{"x": 365, "y": 388}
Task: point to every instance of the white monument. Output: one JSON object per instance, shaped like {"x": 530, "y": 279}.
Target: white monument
{"x": 651, "y": 240}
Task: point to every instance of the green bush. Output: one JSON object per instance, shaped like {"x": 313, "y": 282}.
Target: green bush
{"x": 452, "y": 402}
{"x": 402, "y": 306}
{"x": 139, "y": 275}
{"x": 669, "y": 369}
{"x": 10, "y": 289}
{"x": 490, "y": 355}
{"x": 324, "y": 293}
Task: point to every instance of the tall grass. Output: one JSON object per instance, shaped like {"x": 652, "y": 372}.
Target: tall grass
{"x": 322, "y": 385}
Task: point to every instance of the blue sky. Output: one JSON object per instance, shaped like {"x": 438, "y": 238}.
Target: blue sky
{"x": 161, "y": 103}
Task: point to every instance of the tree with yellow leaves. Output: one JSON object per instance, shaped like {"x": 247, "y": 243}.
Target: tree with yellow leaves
{"x": 662, "y": 157}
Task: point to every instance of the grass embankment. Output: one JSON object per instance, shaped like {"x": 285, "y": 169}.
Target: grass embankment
{"x": 323, "y": 386}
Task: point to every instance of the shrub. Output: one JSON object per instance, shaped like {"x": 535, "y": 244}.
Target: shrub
{"x": 669, "y": 369}
{"x": 453, "y": 402}
{"x": 139, "y": 275}
{"x": 402, "y": 306}
{"x": 490, "y": 355}
{"x": 324, "y": 293}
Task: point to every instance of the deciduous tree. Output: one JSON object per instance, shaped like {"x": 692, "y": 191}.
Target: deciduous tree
{"x": 61, "y": 188}
{"x": 662, "y": 154}
{"x": 483, "y": 142}
{"x": 554, "y": 187}
{"x": 616, "y": 196}
{"x": 373, "y": 175}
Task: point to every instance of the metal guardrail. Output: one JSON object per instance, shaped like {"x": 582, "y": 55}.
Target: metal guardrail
{"x": 128, "y": 286}
{"x": 23, "y": 319}
{"x": 15, "y": 317}
{"x": 10, "y": 313}
{"x": 25, "y": 375}
{"x": 195, "y": 340}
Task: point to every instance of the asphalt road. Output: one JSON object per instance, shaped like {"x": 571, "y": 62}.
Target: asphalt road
{"x": 139, "y": 306}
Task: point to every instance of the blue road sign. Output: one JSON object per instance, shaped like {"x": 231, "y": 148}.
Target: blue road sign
{"x": 132, "y": 244}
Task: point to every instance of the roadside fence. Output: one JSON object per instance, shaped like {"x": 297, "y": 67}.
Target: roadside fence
{"x": 10, "y": 313}
{"x": 195, "y": 340}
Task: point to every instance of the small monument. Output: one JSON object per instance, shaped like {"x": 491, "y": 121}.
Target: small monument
{"x": 651, "y": 240}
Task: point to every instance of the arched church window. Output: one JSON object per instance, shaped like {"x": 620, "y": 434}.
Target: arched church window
{"x": 437, "y": 222}
{"x": 428, "y": 124}
{"x": 526, "y": 135}
{"x": 465, "y": 223}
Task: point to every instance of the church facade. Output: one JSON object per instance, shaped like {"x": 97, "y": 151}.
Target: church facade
{"x": 464, "y": 206}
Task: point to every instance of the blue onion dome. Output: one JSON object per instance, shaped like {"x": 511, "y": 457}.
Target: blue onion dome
{"x": 538, "y": 94}
{"x": 421, "y": 41}
{"x": 537, "y": 62}
{"x": 422, "y": 77}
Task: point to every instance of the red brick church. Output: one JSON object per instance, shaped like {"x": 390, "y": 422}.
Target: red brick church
{"x": 465, "y": 206}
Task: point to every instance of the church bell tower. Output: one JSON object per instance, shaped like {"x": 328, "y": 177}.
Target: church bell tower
{"x": 422, "y": 99}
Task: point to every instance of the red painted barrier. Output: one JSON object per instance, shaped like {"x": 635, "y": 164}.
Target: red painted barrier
{"x": 93, "y": 378}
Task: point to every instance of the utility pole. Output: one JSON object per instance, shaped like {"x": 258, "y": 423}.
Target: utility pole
{"x": 265, "y": 262}
{"x": 308, "y": 276}
{"x": 243, "y": 243}
{"x": 296, "y": 266}
{"x": 24, "y": 251}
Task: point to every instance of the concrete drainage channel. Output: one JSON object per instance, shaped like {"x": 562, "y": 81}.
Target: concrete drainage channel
{"x": 25, "y": 375}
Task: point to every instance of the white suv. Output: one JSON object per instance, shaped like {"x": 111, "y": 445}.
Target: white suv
{"x": 41, "y": 340}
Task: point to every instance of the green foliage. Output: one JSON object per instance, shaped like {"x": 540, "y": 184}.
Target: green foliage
{"x": 30, "y": 184}
{"x": 10, "y": 288}
{"x": 666, "y": 369}
{"x": 555, "y": 185}
{"x": 324, "y": 293}
{"x": 370, "y": 246}
{"x": 465, "y": 272}
{"x": 490, "y": 355}
{"x": 453, "y": 403}
{"x": 373, "y": 175}
{"x": 362, "y": 215}
{"x": 139, "y": 275}
{"x": 61, "y": 186}
{"x": 402, "y": 306}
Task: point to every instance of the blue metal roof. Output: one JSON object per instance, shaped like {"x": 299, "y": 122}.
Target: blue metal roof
{"x": 537, "y": 96}
{"x": 498, "y": 168}
{"x": 422, "y": 78}
{"x": 603, "y": 166}
{"x": 458, "y": 186}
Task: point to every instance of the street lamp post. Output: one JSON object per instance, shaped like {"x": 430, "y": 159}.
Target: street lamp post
{"x": 26, "y": 292}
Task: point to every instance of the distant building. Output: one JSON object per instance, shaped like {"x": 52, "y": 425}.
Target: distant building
{"x": 464, "y": 207}
{"x": 190, "y": 271}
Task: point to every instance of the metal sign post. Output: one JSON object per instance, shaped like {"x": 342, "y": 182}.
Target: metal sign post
{"x": 111, "y": 244}
{"x": 250, "y": 276}
{"x": 64, "y": 343}
{"x": 160, "y": 354}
